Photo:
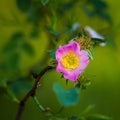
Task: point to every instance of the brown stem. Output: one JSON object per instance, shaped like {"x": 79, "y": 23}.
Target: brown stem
{"x": 32, "y": 92}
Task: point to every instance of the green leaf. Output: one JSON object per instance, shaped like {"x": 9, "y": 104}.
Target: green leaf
{"x": 98, "y": 117}
{"x": 66, "y": 97}
{"x": 27, "y": 48}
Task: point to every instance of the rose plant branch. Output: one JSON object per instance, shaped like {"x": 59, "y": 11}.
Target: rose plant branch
{"x": 32, "y": 92}
{"x": 71, "y": 60}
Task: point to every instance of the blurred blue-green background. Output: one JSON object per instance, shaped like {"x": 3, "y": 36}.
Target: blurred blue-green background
{"x": 34, "y": 27}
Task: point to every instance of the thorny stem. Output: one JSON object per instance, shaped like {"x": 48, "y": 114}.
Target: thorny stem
{"x": 32, "y": 92}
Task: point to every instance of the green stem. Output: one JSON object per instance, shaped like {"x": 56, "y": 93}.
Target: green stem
{"x": 38, "y": 104}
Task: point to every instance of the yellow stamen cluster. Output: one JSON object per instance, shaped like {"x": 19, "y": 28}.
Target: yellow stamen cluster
{"x": 70, "y": 61}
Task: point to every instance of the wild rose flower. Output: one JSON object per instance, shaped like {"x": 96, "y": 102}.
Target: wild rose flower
{"x": 71, "y": 60}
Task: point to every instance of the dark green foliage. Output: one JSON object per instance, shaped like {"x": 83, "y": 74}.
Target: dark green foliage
{"x": 22, "y": 84}
{"x": 65, "y": 7}
{"x": 82, "y": 33}
{"x": 53, "y": 32}
{"x": 12, "y": 50}
{"x": 52, "y": 53}
{"x": 6, "y": 90}
{"x": 18, "y": 36}
{"x": 13, "y": 43}
{"x": 34, "y": 33}
{"x": 44, "y": 2}
{"x": 97, "y": 40}
{"x": 98, "y": 8}
{"x": 9, "y": 66}
{"x": 85, "y": 84}
{"x": 89, "y": 12}
{"x": 98, "y": 4}
{"x": 27, "y": 48}
{"x": 12, "y": 61}
{"x": 73, "y": 118}
{"x": 82, "y": 82}
{"x": 110, "y": 41}
{"x": 23, "y": 5}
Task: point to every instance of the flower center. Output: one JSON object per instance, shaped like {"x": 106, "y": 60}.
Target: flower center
{"x": 70, "y": 61}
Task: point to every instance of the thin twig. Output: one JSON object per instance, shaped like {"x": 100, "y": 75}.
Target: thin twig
{"x": 32, "y": 92}
{"x": 38, "y": 104}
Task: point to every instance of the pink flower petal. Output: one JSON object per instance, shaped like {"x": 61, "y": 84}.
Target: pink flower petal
{"x": 73, "y": 75}
{"x": 60, "y": 52}
{"x": 74, "y": 47}
{"x": 84, "y": 59}
{"x": 60, "y": 68}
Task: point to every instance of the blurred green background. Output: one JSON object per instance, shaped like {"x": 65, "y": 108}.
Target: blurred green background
{"x": 104, "y": 70}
